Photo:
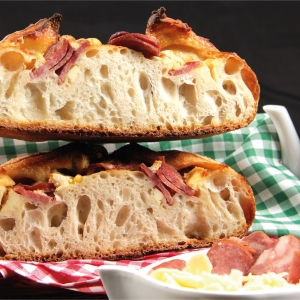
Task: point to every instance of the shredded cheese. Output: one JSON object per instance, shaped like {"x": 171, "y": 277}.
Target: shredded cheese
{"x": 197, "y": 275}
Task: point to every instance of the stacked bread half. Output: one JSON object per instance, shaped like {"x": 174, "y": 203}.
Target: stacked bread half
{"x": 79, "y": 201}
{"x": 166, "y": 84}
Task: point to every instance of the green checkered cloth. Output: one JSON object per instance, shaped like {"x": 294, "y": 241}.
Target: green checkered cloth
{"x": 253, "y": 151}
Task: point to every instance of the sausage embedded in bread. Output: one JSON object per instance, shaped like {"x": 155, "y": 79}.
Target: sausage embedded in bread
{"x": 78, "y": 201}
{"x": 137, "y": 87}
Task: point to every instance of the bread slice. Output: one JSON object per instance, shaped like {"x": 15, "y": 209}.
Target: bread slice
{"x": 165, "y": 84}
{"x": 105, "y": 206}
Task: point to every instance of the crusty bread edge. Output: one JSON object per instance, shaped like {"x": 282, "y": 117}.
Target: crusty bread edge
{"x": 43, "y": 132}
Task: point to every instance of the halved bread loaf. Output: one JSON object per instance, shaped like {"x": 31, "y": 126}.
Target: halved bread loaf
{"x": 79, "y": 202}
{"x": 56, "y": 87}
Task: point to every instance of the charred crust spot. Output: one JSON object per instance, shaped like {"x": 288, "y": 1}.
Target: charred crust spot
{"x": 53, "y": 22}
{"x": 156, "y": 17}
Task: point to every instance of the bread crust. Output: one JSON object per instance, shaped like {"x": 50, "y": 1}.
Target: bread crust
{"x": 27, "y": 109}
{"x": 212, "y": 184}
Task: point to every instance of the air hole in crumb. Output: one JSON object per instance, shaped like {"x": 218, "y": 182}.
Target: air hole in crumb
{"x": 219, "y": 101}
{"x": 35, "y": 237}
{"x": 66, "y": 112}
{"x": 98, "y": 219}
{"x": 238, "y": 110}
{"x": 2, "y": 251}
{"x": 100, "y": 205}
{"x": 150, "y": 210}
{"x": 169, "y": 126}
{"x": 12, "y": 60}
{"x": 30, "y": 206}
{"x": 91, "y": 52}
{"x": 144, "y": 81}
{"x": 103, "y": 175}
{"x": 131, "y": 92}
{"x": 123, "y": 51}
{"x": 29, "y": 65}
{"x": 236, "y": 185}
{"x": 189, "y": 93}
{"x": 123, "y": 215}
{"x": 7, "y": 224}
{"x": 225, "y": 194}
{"x": 208, "y": 120}
{"x": 52, "y": 244}
{"x": 219, "y": 181}
{"x": 190, "y": 204}
{"x": 229, "y": 87}
{"x": 104, "y": 71}
{"x": 56, "y": 214}
{"x": 232, "y": 66}
{"x": 59, "y": 253}
{"x": 83, "y": 210}
{"x": 87, "y": 75}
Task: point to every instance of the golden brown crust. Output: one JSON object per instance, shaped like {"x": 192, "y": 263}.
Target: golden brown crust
{"x": 174, "y": 33}
{"x": 37, "y": 37}
{"x": 37, "y": 167}
{"x": 44, "y": 132}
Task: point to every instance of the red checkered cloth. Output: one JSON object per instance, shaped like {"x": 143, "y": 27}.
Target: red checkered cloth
{"x": 77, "y": 275}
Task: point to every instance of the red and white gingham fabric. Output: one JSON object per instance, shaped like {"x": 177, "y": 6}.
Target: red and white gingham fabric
{"x": 78, "y": 275}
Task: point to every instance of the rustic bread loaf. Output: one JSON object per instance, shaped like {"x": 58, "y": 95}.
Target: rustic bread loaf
{"x": 138, "y": 87}
{"x": 110, "y": 208}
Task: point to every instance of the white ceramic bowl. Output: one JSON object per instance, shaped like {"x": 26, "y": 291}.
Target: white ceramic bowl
{"x": 122, "y": 282}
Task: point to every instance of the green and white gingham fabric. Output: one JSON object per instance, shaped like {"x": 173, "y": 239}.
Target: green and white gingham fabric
{"x": 253, "y": 151}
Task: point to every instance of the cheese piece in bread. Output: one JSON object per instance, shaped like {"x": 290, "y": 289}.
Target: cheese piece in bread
{"x": 77, "y": 201}
{"x": 168, "y": 83}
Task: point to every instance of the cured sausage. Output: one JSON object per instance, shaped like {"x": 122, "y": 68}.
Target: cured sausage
{"x": 259, "y": 241}
{"x": 52, "y": 56}
{"x": 38, "y": 195}
{"x": 157, "y": 183}
{"x": 149, "y": 46}
{"x": 171, "y": 174}
{"x": 278, "y": 258}
{"x": 294, "y": 270}
{"x": 178, "y": 264}
{"x": 64, "y": 70}
{"x": 187, "y": 67}
{"x": 227, "y": 255}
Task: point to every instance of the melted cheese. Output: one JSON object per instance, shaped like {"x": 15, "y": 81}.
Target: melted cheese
{"x": 63, "y": 180}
